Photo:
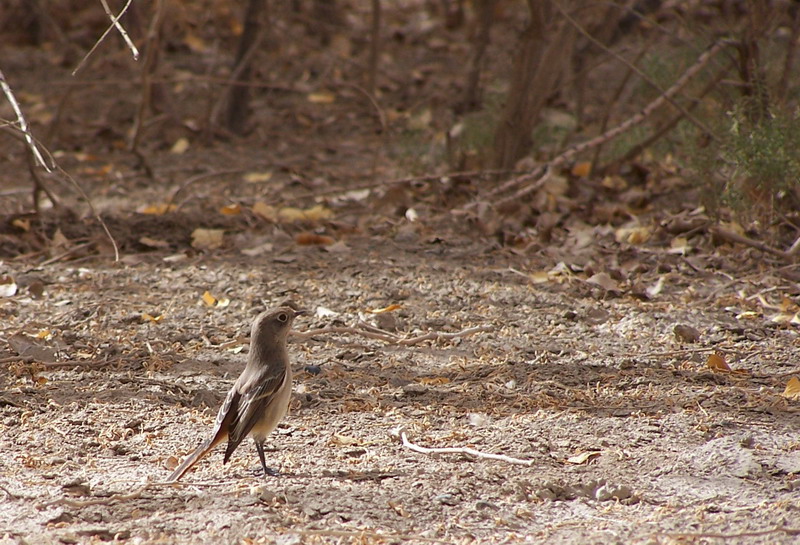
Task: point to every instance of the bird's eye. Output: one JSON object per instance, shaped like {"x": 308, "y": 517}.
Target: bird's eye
{"x": 282, "y": 317}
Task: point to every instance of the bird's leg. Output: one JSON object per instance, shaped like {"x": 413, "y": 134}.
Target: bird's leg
{"x": 267, "y": 470}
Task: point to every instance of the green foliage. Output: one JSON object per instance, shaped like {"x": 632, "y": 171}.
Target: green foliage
{"x": 755, "y": 169}
{"x": 768, "y": 152}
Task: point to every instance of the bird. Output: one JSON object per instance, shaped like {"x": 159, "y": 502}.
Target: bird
{"x": 259, "y": 398}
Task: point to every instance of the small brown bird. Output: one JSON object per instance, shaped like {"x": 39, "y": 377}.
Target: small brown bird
{"x": 260, "y": 397}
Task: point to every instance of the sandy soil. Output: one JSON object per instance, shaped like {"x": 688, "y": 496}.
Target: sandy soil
{"x": 621, "y": 432}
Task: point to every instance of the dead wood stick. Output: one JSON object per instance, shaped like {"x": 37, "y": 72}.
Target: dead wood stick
{"x": 22, "y": 124}
{"x": 639, "y": 72}
{"x": 97, "y": 501}
{"x": 534, "y": 179}
{"x": 730, "y": 236}
{"x": 460, "y": 450}
{"x": 114, "y": 24}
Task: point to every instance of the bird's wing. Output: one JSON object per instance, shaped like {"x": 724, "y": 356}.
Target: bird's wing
{"x": 257, "y": 393}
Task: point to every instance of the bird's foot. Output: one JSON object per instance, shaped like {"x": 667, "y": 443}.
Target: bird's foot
{"x": 267, "y": 472}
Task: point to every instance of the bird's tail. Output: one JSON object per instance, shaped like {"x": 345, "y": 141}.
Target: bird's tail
{"x": 204, "y": 448}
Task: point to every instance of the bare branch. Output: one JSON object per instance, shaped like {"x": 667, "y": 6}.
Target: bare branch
{"x": 459, "y": 450}
{"x": 23, "y": 125}
{"x": 114, "y": 24}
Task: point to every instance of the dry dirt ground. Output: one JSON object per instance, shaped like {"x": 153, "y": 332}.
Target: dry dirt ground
{"x": 610, "y": 428}
{"x": 626, "y": 435}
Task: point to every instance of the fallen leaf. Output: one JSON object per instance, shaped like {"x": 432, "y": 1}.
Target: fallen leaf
{"x": 209, "y": 299}
{"x": 603, "y": 280}
{"x": 207, "y": 239}
{"x": 345, "y": 440}
{"x": 582, "y": 169}
{"x": 656, "y": 288}
{"x": 257, "y": 177}
{"x": 230, "y": 210}
{"x": 150, "y": 318}
{"x": 153, "y": 242}
{"x": 315, "y": 213}
{"x": 265, "y": 211}
{"x": 679, "y": 246}
{"x": 310, "y": 239}
{"x": 432, "y": 381}
{"x": 322, "y": 97}
{"x": 258, "y": 250}
{"x": 337, "y": 247}
{"x": 633, "y": 235}
{"x": 716, "y": 362}
{"x": 21, "y": 223}
{"x": 390, "y": 308}
{"x": 171, "y": 463}
{"x": 156, "y": 209}
{"x": 583, "y": 457}
{"x": 616, "y": 183}
{"x": 180, "y": 146}
{"x": 792, "y": 390}
{"x": 323, "y": 312}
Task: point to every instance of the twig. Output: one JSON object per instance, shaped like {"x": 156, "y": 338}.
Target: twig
{"x": 199, "y": 178}
{"x": 97, "y": 501}
{"x": 149, "y": 67}
{"x": 436, "y": 335}
{"x": 741, "y": 239}
{"x": 120, "y": 28}
{"x": 96, "y": 215}
{"x": 670, "y": 353}
{"x": 359, "y": 534}
{"x": 23, "y": 125}
{"x": 537, "y": 176}
{"x": 636, "y": 69}
{"x": 114, "y": 24}
{"x": 460, "y": 450}
{"x": 75, "y": 249}
{"x": 387, "y": 337}
{"x": 9, "y": 493}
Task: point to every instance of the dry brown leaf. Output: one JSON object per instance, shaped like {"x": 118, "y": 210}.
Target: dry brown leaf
{"x": 180, "y": 146}
{"x": 310, "y": 239}
{"x": 390, "y": 308}
{"x": 633, "y": 235}
{"x": 433, "y": 381}
{"x": 603, "y": 280}
{"x": 153, "y": 242}
{"x": 792, "y": 390}
{"x": 230, "y": 210}
{"x": 716, "y": 362}
{"x": 21, "y": 223}
{"x": 266, "y": 211}
{"x": 156, "y": 209}
{"x": 209, "y": 299}
{"x": 150, "y": 318}
{"x": 322, "y": 97}
{"x": 258, "y": 177}
{"x": 582, "y": 169}
{"x": 207, "y": 239}
{"x": 583, "y": 457}
{"x": 315, "y": 213}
